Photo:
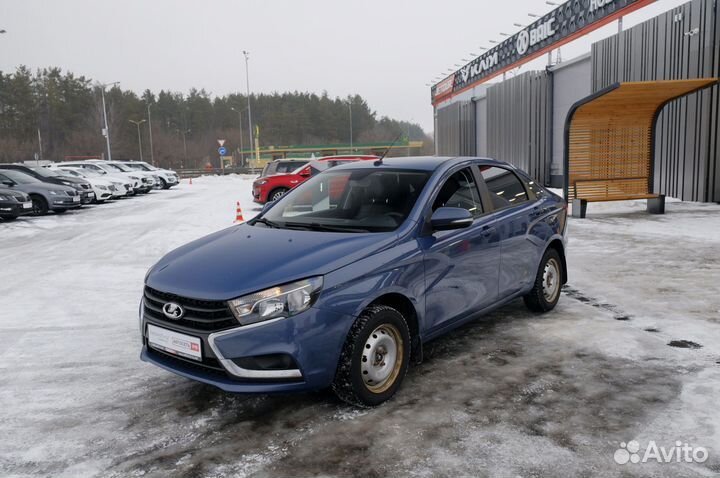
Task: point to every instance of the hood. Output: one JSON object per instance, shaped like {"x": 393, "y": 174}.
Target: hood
{"x": 19, "y": 196}
{"x": 244, "y": 259}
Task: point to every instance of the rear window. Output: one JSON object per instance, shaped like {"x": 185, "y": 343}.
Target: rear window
{"x": 504, "y": 186}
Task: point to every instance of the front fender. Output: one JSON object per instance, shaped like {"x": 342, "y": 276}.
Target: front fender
{"x": 399, "y": 269}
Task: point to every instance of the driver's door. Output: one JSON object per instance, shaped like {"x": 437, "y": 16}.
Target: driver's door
{"x": 461, "y": 266}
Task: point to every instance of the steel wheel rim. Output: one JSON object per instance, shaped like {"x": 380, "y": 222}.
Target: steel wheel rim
{"x": 382, "y": 358}
{"x": 551, "y": 280}
{"x": 278, "y": 195}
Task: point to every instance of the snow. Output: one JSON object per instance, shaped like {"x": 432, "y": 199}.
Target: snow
{"x": 515, "y": 394}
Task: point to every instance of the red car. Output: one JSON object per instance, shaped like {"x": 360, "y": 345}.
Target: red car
{"x": 272, "y": 188}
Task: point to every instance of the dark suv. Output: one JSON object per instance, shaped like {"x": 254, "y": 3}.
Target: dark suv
{"x": 82, "y": 186}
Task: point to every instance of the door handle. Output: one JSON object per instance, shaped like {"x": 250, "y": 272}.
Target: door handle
{"x": 487, "y": 231}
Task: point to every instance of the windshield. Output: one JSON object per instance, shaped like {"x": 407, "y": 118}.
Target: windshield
{"x": 137, "y": 166}
{"x": 360, "y": 200}
{"x": 118, "y": 167}
{"x": 69, "y": 172}
{"x": 18, "y": 177}
{"x": 45, "y": 172}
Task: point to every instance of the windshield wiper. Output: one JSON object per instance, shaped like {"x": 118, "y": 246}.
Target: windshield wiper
{"x": 267, "y": 222}
{"x": 316, "y": 226}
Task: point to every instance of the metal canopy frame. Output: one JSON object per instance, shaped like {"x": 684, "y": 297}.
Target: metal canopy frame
{"x": 610, "y": 139}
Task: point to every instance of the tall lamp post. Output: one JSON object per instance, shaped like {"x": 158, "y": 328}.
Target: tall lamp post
{"x": 247, "y": 84}
{"x": 138, "y": 123}
{"x": 149, "y": 121}
{"x": 239, "y": 112}
{"x": 106, "y": 132}
{"x": 351, "y": 128}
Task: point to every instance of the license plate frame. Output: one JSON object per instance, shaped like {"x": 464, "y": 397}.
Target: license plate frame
{"x": 174, "y": 343}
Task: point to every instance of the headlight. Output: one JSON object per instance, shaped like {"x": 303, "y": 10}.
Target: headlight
{"x": 282, "y": 301}
{"x": 52, "y": 191}
{"x": 134, "y": 178}
{"x": 5, "y": 198}
{"x": 101, "y": 187}
{"x": 261, "y": 182}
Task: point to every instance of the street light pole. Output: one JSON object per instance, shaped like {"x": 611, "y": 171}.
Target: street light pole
{"x": 351, "y": 128}
{"x": 239, "y": 112}
{"x": 247, "y": 84}
{"x": 149, "y": 120}
{"x": 107, "y": 128}
{"x": 138, "y": 123}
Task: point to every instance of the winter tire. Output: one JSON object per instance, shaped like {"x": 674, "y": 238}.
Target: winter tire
{"x": 548, "y": 282}
{"x": 374, "y": 359}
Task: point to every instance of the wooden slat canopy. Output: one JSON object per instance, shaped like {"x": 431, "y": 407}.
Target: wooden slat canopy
{"x": 609, "y": 139}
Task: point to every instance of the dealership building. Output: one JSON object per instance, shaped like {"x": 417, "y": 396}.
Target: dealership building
{"x": 650, "y": 92}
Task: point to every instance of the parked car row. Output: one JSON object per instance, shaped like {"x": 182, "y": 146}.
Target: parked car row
{"x": 58, "y": 187}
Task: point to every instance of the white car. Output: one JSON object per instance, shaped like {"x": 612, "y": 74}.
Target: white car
{"x": 104, "y": 188}
{"x": 133, "y": 181}
{"x": 167, "y": 178}
{"x": 147, "y": 179}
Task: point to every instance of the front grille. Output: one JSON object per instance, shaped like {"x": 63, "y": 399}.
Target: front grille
{"x": 208, "y": 365}
{"x": 112, "y": 188}
{"x": 202, "y": 315}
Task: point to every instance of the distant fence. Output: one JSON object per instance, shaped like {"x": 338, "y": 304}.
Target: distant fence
{"x": 193, "y": 173}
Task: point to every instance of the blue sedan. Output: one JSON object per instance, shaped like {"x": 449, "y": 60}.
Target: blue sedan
{"x": 341, "y": 282}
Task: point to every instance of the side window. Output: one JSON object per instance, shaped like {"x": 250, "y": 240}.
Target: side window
{"x": 460, "y": 190}
{"x": 504, "y": 186}
{"x": 536, "y": 189}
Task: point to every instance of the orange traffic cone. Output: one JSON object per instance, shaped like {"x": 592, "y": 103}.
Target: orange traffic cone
{"x": 238, "y": 214}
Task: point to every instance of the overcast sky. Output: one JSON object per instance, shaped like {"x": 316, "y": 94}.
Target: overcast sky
{"x": 384, "y": 50}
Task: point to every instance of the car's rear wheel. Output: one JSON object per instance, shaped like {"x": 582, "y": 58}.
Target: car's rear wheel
{"x": 548, "y": 283}
{"x": 277, "y": 194}
{"x": 39, "y": 205}
{"x": 374, "y": 359}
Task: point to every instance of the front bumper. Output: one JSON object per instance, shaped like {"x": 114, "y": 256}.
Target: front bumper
{"x": 14, "y": 209}
{"x": 86, "y": 197}
{"x": 258, "y": 195}
{"x": 65, "y": 202}
{"x": 313, "y": 340}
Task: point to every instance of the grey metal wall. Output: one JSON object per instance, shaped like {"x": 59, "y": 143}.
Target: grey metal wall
{"x": 481, "y": 126}
{"x": 571, "y": 82}
{"x": 455, "y": 134}
{"x": 680, "y": 44}
{"x": 518, "y": 120}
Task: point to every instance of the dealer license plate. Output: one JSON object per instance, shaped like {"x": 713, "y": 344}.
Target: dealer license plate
{"x": 175, "y": 343}
{"x": 76, "y": 199}
{"x": 27, "y": 205}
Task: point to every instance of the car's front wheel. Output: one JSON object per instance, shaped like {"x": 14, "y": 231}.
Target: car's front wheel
{"x": 548, "y": 282}
{"x": 277, "y": 194}
{"x": 374, "y": 359}
{"x": 163, "y": 184}
{"x": 39, "y": 205}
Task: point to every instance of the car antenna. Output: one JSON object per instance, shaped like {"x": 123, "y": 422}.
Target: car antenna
{"x": 378, "y": 162}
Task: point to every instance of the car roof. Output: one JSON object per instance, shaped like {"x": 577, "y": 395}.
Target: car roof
{"x": 421, "y": 163}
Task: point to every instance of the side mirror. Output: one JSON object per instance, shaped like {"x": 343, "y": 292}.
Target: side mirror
{"x": 449, "y": 218}
{"x": 9, "y": 182}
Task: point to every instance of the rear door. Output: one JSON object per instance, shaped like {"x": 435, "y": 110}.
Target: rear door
{"x": 461, "y": 266}
{"x": 514, "y": 212}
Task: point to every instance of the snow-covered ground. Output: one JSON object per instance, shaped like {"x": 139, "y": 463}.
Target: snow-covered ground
{"x": 512, "y": 395}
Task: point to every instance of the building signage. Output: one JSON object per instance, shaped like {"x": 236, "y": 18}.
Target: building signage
{"x": 566, "y": 22}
